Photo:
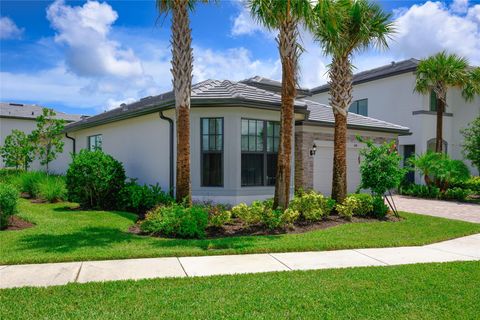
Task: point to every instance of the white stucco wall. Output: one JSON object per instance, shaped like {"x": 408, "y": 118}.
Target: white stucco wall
{"x": 142, "y": 145}
{"x": 393, "y": 99}
{"x": 59, "y": 165}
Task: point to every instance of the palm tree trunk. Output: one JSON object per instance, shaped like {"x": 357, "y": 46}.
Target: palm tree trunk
{"x": 288, "y": 48}
{"x": 439, "y": 138}
{"x": 182, "y": 65}
{"x": 341, "y": 97}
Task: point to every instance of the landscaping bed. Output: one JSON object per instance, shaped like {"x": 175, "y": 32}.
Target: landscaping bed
{"x": 17, "y": 223}
{"x": 237, "y": 228}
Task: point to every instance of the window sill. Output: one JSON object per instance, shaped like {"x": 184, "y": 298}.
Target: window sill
{"x": 445, "y": 114}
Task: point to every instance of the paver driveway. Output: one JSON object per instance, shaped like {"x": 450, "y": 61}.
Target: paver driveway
{"x": 446, "y": 209}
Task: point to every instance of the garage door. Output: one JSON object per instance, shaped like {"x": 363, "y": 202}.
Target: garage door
{"x": 323, "y": 167}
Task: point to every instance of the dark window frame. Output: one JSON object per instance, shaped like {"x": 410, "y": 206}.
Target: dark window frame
{"x": 265, "y": 153}
{"x": 221, "y": 152}
{"x": 95, "y": 136}
{"x": 357, "y": 107}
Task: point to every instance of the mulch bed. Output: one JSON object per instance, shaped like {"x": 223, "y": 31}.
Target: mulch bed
{"x": 17, "y": 223}
{"x": 237, "y": 228}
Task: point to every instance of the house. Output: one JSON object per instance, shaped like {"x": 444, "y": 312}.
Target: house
{"x": 387, "y": 93}
{"x": 22, "y": 117}
{"x": 234, "y": 140}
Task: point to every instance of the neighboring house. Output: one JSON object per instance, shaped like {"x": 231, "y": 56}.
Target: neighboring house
{"x": 234, "y": 140}
{"x": 387, "y": 93}
{"x": 22, "y": 117}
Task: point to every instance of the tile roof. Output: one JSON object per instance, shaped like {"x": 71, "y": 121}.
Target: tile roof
{"x": 323, "y": 114}
{"x": 31, "y": 111}
{"x": 224, "y": 93}
{"x": 272, "y": 85}
{"x": 208, "y": 92}
{"x": 388, "y": 70}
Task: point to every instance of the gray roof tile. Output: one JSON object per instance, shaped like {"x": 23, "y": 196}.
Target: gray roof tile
{"x": 388, "y": 70}
{"x": 323, "y": 114}
{"x": 31, "y": 111}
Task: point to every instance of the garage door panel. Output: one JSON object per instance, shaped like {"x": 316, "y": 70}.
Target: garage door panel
{"x": 323, "y": 166}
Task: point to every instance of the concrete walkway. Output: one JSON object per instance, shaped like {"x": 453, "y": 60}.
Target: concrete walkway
{"x": 446, "y": 209}
{"x": 50, "y": 274}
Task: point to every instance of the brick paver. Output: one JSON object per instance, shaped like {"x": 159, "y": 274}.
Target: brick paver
{"x": 445, "y": 209}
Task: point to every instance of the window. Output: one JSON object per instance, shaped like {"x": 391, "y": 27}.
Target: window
{"x": 95, "y": 142}
{"x": 260, "y": 141}
{"x": 359, "y": 107}
{"x": 212, "y": 152}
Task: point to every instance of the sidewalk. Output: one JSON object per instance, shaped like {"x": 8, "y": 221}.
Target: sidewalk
{"x": 50, "y": 274}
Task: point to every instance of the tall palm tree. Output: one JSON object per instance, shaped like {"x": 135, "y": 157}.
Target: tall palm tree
{"x": 182, "y": 65}
{"x": 439, "y": 72}
{"x": 284, "y": 16}
{"x": 343, "y": 27}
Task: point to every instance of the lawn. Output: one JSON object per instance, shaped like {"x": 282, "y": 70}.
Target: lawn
{"x": 423, "y": 291}
{"x": 61, "y": 234}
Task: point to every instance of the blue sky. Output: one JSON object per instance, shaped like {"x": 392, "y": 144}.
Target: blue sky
{"x": 86, "y": 57}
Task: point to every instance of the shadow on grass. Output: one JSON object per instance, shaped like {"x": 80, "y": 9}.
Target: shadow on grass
{"x": 93, "y": 238}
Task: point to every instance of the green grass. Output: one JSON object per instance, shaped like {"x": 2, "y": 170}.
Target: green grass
{"x": 423, "y": 291}
{"x": 68, "y": 235}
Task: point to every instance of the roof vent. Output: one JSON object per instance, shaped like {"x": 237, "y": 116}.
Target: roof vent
{"x": 393, "y": 63}
{"x": 146, "y": 98}
{"x": 124, "y": 107}
{"x": 84, "y": 117}
{"x": 33, "y": 113}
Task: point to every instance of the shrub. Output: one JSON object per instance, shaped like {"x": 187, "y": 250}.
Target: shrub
{"x": 380, "y": 209}
{"x": 140, "y": 199}
{"x": 95, "y": 179}
{"x": 177, "y": 221}
{"x": 456, "y": 194}
{"x": 380, "y": 168}
{"x": 348, "y": 207}
{"x": 312, "y": 206}
{"x": 471, "y": 142}
{"x": 8, "y": 203}
{"x": 28, "y": 182}
{"x": 52, "y": 188}
{"x": 262, "y": 213}
{"x": 472, "y": 184}
{"x": 9, "y": 175}
{"x": 365, "y": 206}
{"x": 422, "y": 191}
{"x": 440, "y": 170}
{"x": 218, "y": 215}
{"x": 250, "y": 215}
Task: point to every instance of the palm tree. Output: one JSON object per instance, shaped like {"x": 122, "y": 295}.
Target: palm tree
{"x": 182, "y": 65}
{"x": 343, "y": 27}
{"x": 439, "y": 72}
{"x": 285, "y": 17}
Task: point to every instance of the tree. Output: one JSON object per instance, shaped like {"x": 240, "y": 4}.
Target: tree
{"x": 439, "y": 72}
{"x": 47, "y": 137}
{"x": 18, "y": 150}
{"x": 182, "y": 65}
{"x": 343, "y": 27}
{"x": 285, "y": 17}
{"x": 471, "y": 142}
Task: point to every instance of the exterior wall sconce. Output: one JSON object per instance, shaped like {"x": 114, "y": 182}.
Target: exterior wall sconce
{"x": 313, "y": 150}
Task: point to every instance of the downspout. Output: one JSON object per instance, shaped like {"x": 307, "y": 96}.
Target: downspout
{"x": 170, "y": 122}
{"x": 74, "y": 142}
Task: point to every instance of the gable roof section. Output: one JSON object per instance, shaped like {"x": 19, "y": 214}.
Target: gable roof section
{"x": 393, "y": 69}
{"x": 31, "y": 111}
{"x": 272, "y": 85}
{"x": 209, "y": 93}
{"x": 321, "y": 114}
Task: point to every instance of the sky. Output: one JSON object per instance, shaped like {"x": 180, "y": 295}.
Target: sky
{"x": 86, "y": 57}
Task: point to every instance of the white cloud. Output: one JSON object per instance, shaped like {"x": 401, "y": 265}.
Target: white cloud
{"x": 429, "y": 28}
{"x": 231, "y": 64}
{"x": 85, "y": 31}
{"x": 8, "y": 29}
{"x": 244, "y": 24}
{"x": 459, "y": 6}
